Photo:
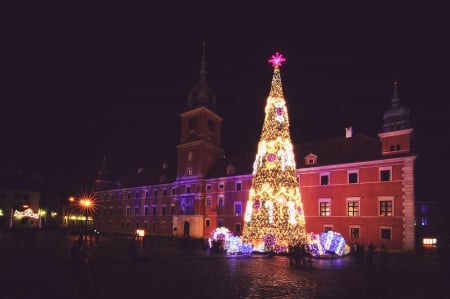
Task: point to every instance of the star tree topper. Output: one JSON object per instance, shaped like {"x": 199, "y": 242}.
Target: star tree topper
{"x": 277, "y": 60}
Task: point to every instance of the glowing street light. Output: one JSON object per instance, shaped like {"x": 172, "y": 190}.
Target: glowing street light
{"x": 71, "y": 200}
{"x": 86, "y": 205}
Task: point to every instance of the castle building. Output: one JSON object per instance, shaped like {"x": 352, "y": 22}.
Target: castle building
{"x": 359, "y": 186}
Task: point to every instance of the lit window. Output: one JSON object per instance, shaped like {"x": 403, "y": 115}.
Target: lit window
{"x": 237, "y": 208}
{"x": 385, "y": 207}
{"x": 353, "y": 207}
{"x": 325, "y": 207}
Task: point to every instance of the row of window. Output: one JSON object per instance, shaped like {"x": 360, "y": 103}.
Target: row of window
{"x": 385, "y": 175}
{"x": 385, "y": 207}
{"x": 137, "y": 212}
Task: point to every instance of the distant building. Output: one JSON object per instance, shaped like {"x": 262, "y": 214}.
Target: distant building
{"x": 359, "y": 186}
{"x": 26, "y": 202}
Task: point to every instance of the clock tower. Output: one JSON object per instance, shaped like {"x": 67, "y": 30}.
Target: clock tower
{"x": 199, "y": 148}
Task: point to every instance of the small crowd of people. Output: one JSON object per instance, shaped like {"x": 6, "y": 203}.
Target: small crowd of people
{"x": 300, "y": 256}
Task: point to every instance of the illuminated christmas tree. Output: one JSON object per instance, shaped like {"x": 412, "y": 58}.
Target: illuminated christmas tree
{"x": 274, "y": 216}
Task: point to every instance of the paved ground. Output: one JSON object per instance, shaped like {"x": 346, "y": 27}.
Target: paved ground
{"x": 40, "y": 265}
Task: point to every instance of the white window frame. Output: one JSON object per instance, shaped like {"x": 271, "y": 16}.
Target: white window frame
{"x": 351, "y": 199}
{"x": 322, "y": 174}
{"x": 386, "y": 198}
{"x": 350, "y": 231}
{"x": 380, "y": 169}
{"x": 357, "y": 176}
{"x": 327, "y": 200}
{"x": 385, "y": 227}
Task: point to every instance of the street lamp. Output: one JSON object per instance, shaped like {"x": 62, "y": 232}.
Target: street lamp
{"x": 71, "y": 200}
{"x": 86, "y": 204}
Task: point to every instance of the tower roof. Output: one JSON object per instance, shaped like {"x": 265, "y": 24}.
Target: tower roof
{"x": 202, "y": 94}
{"x": 396, "y": 117}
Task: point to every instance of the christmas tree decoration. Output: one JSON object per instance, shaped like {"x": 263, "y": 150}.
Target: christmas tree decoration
{"x": 274, "y": 216}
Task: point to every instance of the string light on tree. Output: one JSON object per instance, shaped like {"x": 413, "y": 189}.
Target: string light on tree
{"x": 274, "y": 216}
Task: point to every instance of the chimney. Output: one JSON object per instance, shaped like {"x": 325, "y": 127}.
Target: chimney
{"x": 348, "y": 132}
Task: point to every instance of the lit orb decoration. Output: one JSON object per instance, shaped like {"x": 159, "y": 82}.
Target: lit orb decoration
{"x": 277, "y": 60}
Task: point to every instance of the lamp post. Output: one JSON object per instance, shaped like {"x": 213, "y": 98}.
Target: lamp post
{"x": 86, "y": 205}
{"x": 71, "y": 200}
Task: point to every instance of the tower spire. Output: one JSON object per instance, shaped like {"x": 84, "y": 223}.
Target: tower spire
{"x": 202, "y": 94}
{"x": 395, "y": 101}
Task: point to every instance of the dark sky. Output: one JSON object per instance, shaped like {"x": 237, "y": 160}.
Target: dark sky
{"x": 82, "y": 82}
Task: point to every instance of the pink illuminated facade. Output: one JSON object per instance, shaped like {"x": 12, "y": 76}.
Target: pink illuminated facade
{"x": 359, "y": 186}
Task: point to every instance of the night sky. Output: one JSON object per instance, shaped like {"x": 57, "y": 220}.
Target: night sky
{"x": 82, "y": 82}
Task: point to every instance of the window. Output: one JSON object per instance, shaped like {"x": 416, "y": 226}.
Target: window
{"x": 127, "y": 211}
{"x": 146, "y": 210}
{"x": 354, "y": 232}
{"x": 119, "y": 211}
{"x": 137, "y": 224}
{"x": 328, "y": 228}
{"x": 398, "y": 147}
{"x": 174, "y": 191}
{"x": 208, "y": 187}
{"x": 237, "y": 228}
{"x": 172, "y": 209}
{"x": 120, "y": 196}
{"x": 353, "y": 206}
{"x": 353, "y": 177}
{"x": 163, "y": 210}
{"x": 208, "y": 202}
{"x": 221, "y": 186}
{"x": 192, "y": 123}
{"x": 386, "y": 233}
{"x": 385, "y": 207}
{"x": 325, "y": 179}
{"x": 237, "y": 208}
{"x": 137, "y": 195}
{"x": 325, "y": 207}
{"x": 207, "y": 222}
{"x": 219, "y": 222}
{"x": 238, "y": 186}
{"x": 153, "y": 225}
{"x": 211, "y": 125}
{"x": 136, "y": 211}
{"x": 164, "y": 192}
{"x": 154, "y": 210}
{"x": 155, "y": 193}
{"x": 221, "y": 201}
{"x": 189, "y": 171}
{"x": 146, "y": 194}
{"x": 110, "y": 211}
{"x": 145, "y": 224}
{"x": 188, "y": 189}
{"x": 128, "y": 195}
{"x": 385, "y": 174}
{"x": 163, "y": 225}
